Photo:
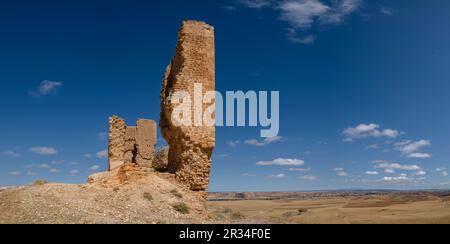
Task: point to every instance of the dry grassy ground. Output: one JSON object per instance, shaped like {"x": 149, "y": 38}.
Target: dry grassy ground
{"x": 130, "y": 195}
{"x": 127, "y": 198}
{"x": 395, "y": 208}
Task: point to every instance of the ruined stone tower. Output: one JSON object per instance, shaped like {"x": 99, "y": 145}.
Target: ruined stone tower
{"x": 191, "y": 147}
{"x": 131, "y": 144}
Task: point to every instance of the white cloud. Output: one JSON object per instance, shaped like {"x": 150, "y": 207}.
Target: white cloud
{"x": 11, "y": 154}
{"x": 411, "y": 148}
{"x": 248, "y": 175}
{"x": 15, "y": 173}
{"x": 94, "y": 167}
{"x": 255, "y": 3}
{"x": 363, "y": 131}
{"x": 308, "y": 178}
{"x": 278, "y": 176}
{"x": 54, "y": 171}
{"x": 221, "y": 155}
{"x": 57, "y": 161}
{"x": 282, "y": 162}
{"x": 45, "y": 151}
{"x": 31, "y": 173}
{"x": 46, "y": 88}
{"x": 301, "y": 15}
{"x": 392, "y": 167}
{"x": 102, "y": 136}
{"x": 419, "y": 155}
{"x": 341, "y": 172}
{"x": 233, "y": 143}
{"x": 386, "y": 11}
{"x": 74, "y": 172}
{"x": 299, "y": 169}
{"x": 400, "y": 178}
{"x": 87, "y": 155}
{"x": 443, "y": 171}
{"x": 372, "y": 147}
{"x": 44, "y": 166}
{"x": 421, "y": 172}
{"x": 102, "y": 154}
{"x": 265, "y": 142}
{"x": 372, "y": 173}
{"x": 293, "y": 36}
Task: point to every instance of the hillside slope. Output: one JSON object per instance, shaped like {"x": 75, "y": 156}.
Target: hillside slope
{"x": 127, "y": 195}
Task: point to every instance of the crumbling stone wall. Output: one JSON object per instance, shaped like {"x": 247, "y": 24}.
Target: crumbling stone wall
{"x": 116, "y": 148}
{"x": 145, "y": 139}
{"x": 191, "y": 147}
{"x": 131, "y": 144}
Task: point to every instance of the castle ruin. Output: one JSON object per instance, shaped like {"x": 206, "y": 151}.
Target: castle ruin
{"x": 131, "y": 144}
{"x": 190, "y": 147}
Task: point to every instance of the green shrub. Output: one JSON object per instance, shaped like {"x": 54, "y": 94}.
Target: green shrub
{"x": 40, "y": 182}
{"x": 176, "y": 193}
{"x": 181, "y": 207}
{"x": 148, "y": 196}
{"x": 236, "y": 215}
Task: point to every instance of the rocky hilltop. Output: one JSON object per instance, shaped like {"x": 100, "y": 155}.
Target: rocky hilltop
{"x": 143, "y": 185}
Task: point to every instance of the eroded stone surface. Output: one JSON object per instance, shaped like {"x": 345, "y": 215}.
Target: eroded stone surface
{"x": 161, "y": 160}
{"x": 145, "y": 141}
{"x": 191, "y": 147}
{"x": 116, "y": 148}
{"x": 131, "y": 144}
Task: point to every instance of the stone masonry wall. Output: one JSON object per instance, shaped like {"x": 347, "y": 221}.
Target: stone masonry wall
{"x": 131, "y": 144}
{"x": 191, "y": 147}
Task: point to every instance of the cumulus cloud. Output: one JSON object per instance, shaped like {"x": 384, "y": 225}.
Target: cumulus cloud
{"x": 44, "y": 166}
{"x": 94, "y": 167}
{"x": 299, "y": 169}
{"x": 421, "y": 172}
{"x": 15, "y": 173}
{"x": 255, "y": 3}
{"x": 278, "y": 176}
{"x": 442, "y": 171}
{"x": 301, "y": 15}
{"x": 74, "y": 172}
{"x": 233, "y": 143}
{"x": 102, "y": 136}
{"x": 282, "y": 162}
{"x": 265, "y": 142}
{"x": 419, "y": 155}
{"x": 54, "y": 171}
{"x": 341, "y": 172}
{"x": 45, "y": 151}
{"x": 412, "y": 149}
{"x": 46, "y": 87}
{"x": 308, "y": 178}
{"x": 392, "y": 167}
{"x": 400, "y": 178}
{"x": 386, "y": 11}
{"x": 372, "y": 173}
{"x": 372, "y": 147}
{"x": 11, "y": 154}
{"x": 102, "y": 154}
{"x": 363, "y": 131}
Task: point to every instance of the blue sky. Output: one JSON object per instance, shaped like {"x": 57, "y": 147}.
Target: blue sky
{"x": 363, "y": 88}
